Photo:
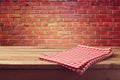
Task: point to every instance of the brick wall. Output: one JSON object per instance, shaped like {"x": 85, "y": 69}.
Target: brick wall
{"x": 59, "y": 23}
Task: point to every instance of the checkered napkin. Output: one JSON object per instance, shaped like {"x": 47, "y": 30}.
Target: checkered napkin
{"x": 79, "y": 58}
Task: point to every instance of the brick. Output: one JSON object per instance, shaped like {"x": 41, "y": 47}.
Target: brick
{"x": 6, "y": 44}
{"x": 19, "y": 37}
{"x": 79, "y": 22}
{"x": 106, "y": 29}
{"x": 81, "y": 11}
{"x": 69, "y": 3}
{"x": 51, "y": 32}
{"x": 78, "y": 41}
{"x": 44, "y": 24}
{"x": 44, "y": 28}
{"x": 88, "y": 15}
{"x": 13, "y": 24}
{"x": 86, "y": 41}
{"x": 117, "y": 28}
{"x": 89, "y": 32}
{"x": 64, "y": 32}
{"x": 101, "y": 41}
{"x": 81, "y": 37}
{"x": 33, "y": 19}
{"x": 32, "y": 28}
{"x": 93, "y": 37}
{"x": 7, "y": 11}
{"x": 6, "y": 37}
{"x": 113, "y": 7}
{"x": 95, "y": 20}
{"x": 7, "y": 24}
{"x": 45, "y": 3}
{"x": 116, "y": 11}
{"x": 54, "y": 11}
{"x": 3, "y": 41}
{"x": 7, "y": 19}
{"x": 61, "y": 7}
{"x": 69, "y": 19}
{"x": 56, "y": 37}
{"x": 45, "y": 36}
{"x": 39, "y": 32}
{"x": 14, "y": 32}
{"x": 107, "y": 25}
{"x": 114, "y": 41}
{"x": 52, "y": 7}
{"x": 44, "y": 11}
{"x": 94, "y": 44}
{"x": 26, "y": 32}
{"x": 8, "y": 28}
{"x": 64, "y": 15}
{"x": 82, "y": 20}
{"x": 18, "y": 44}
{"x": 107, "y": 20}
{"x": 7, "y": 3}
{"x": 33, "y": 3}
{"x": 81, "y": 28}
{"x": 77, "y": 32}
{"x": 114, "y": 33}
{"x": 26, "y": 7}
{"x": 101, "y": 33}
{"x": 3, "y": 7}
{"x": 3, "y": 15}
{"x": 46, "y": 15}
{"x": 116, "y": 20}
{"x": 26, "y": 41}
{"x": 31, "y": 37}
{"x": 56, "y": 3}
{"x": 14, "y": 15}
{"x": 76, "y": 16}
{"x": 117, "y": 24}
{"x": 116, "y": 36}
{"x": 19, "y": 28}
{"x": 32, "y": 11}
{"x": 14, "y": 41}
{"x": 76, "y": 24}
{"x": 93, "y": 11}
{"x": 100, "y": 7}
{"x": 19, "y": 11}
{"x": 105, "y": 11}
{"x": 96, "y": 28}
{"x": 69, "y": 28}
{"x": 3, "y": 33}
{"x": 67, "y": 11}
{"x": 27, "y": 15}
{"x": 52, "y": 41}
{"x": 64, "y": 41}
{"x": 14, "y": 7}
{"x": 28, "y": 24}
{"x": 39, "y": 7}
{"x": 106, "y": 37}
{"x": 67, "y": 45}
{"x": 33, "y": 0}
{"x": 101, "y": 16}
{"x": 39, "y": 41}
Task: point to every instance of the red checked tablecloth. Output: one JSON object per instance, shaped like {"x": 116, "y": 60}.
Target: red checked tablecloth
{"x": 79, "y": 58}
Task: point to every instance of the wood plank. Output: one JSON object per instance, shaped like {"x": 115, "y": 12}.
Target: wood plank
{"x": 16, "y": 56}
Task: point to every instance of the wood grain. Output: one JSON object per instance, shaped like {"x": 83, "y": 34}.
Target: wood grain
{"x": 24, "y": 56}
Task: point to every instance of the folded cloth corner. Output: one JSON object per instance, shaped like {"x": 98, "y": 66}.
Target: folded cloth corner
{"x": 80, "y": 58}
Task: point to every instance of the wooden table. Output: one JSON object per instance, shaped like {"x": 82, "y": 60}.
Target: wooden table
{"x": 22, "y": 63}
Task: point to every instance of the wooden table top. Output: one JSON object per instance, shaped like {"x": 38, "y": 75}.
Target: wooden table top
{"x": 27, "y": 57}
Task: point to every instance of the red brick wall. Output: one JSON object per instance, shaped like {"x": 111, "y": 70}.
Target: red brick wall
{"x": 59, "y": 23}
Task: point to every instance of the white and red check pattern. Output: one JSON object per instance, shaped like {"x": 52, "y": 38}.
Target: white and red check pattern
{"x": 79, "y": 58}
